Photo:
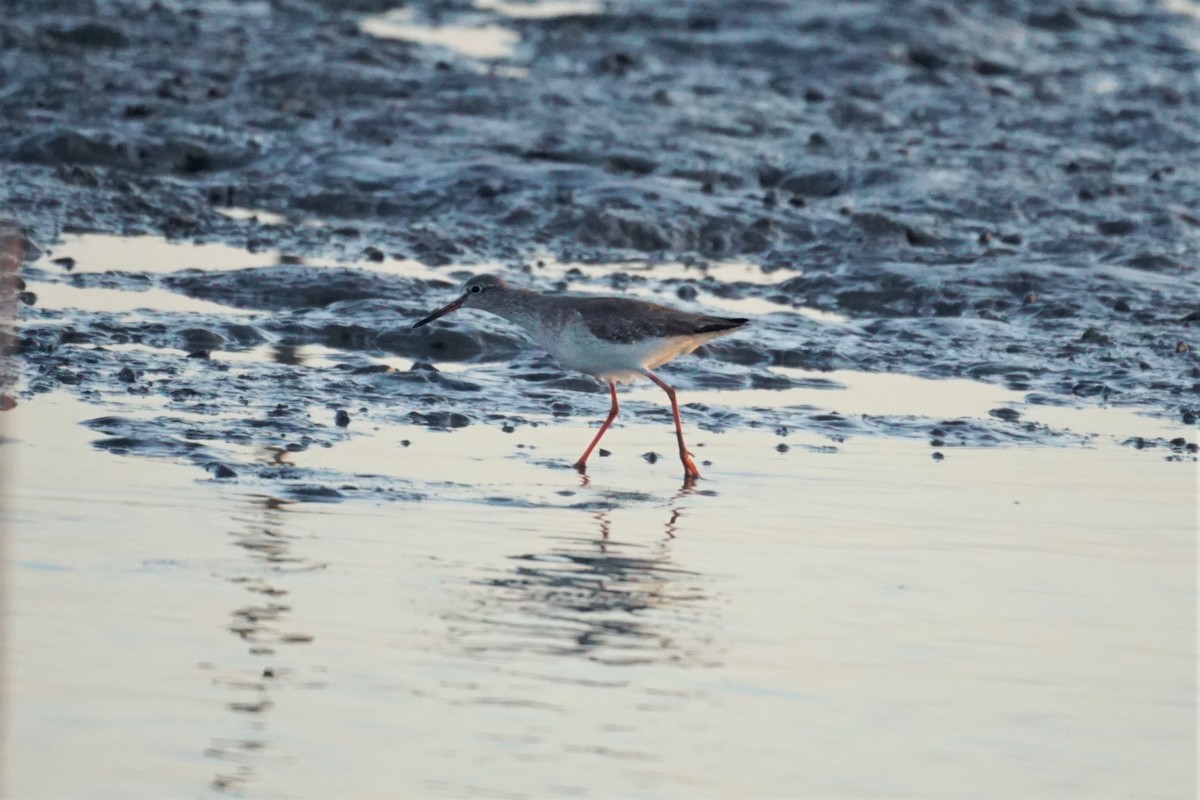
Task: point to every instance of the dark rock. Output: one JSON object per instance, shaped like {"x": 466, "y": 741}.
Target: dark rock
{"x": 200, "y": 339}
{"x": 1094, "y": 336}
{"x": 90, "y": 34}
{"x": 990, "y": 67}
{"x": 879, "y": 225}
{"x": 284, "y": 286}
{"x": 1006, "y": 414}
{"x": 1152, "y": 262}
{"x": 1058, "y": 20}
{"x": 1117, "y": 227}
{"x": 315, "y": 494}
{"x": 820, "y": 183}
{"x": 440, "y": 419}
{"x": 1089, "y": 389}
{"x": 769, "y": 176}
{"x": 342, "y": 418}
{"x": 630, "y": 163}
{"x": 927, "y": 58}
{"x": 618, "y": 64}
{"x": 245, "y": 335}
{"x": 630, "y": 231}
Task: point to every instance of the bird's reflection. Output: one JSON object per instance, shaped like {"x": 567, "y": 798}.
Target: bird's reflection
{"x": 262, "y": 536}
{"x": 689, "y": 484}
{"x": 610, "y": 597}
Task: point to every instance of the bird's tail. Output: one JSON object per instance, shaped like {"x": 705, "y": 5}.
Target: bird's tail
{"x": 720, "y": 324}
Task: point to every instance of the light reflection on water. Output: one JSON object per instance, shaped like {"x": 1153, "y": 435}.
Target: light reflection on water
{"x": 474, "y": 41}
{"x": 96, "y": 299}
{"x": 540, "y": 9}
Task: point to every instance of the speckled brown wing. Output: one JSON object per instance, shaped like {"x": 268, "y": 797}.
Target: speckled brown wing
{"x": 623, "y": 320}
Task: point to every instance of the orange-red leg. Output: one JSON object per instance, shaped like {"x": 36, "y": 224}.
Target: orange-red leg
{"x": 581, "y": 464}
{"x": 689, "y": 466}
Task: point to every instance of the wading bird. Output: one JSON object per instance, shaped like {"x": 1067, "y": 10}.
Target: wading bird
{"x": 610, "y": 338}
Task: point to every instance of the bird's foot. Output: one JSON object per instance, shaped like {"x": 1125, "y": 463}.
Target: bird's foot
{"x": 689, "y": 467}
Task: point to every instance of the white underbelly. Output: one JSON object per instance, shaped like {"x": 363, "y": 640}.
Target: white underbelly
{"x": 612, "y": 360}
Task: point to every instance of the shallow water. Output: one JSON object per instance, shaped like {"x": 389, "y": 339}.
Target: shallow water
{"x": 475, "y": 41}
{"x": 1007, "y": 622}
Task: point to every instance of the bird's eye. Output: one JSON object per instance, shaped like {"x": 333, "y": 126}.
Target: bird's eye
{"x": 476, "y": 289}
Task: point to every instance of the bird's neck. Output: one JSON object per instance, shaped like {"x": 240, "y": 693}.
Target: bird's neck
{"x": 518, "y": 306}
{"x": 523, "y": 307}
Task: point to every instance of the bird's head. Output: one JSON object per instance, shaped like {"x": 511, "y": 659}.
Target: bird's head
{"x": 480, "y": 291}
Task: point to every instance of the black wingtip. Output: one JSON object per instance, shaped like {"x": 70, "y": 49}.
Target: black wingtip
{"x": 721, "y": 324}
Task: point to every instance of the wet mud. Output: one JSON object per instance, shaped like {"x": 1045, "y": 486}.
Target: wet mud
{"x": 1000, "y": 192}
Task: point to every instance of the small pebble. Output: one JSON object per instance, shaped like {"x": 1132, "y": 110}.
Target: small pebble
{"x": 938, "y": 457}
{"x": 342, "y": 418}
{"x": 651, "y": 457}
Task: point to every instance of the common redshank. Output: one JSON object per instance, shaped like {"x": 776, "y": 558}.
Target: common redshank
{"x": 613, "y": 339}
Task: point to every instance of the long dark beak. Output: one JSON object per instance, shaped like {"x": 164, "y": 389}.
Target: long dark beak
{"x": 441, "y": 312}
